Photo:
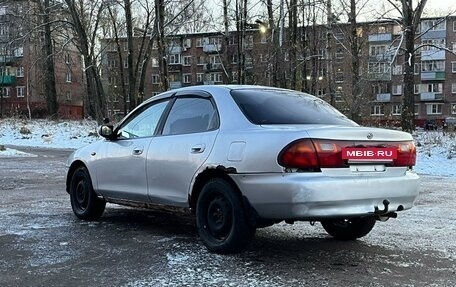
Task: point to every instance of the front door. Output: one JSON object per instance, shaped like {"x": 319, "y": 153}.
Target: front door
{"x": 121, "y": 170}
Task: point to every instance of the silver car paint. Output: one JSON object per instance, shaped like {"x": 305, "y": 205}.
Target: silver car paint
{"x": 252, "y": 152}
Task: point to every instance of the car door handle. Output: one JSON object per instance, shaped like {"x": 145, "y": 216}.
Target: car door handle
{"x": 137, "y": 151}
{"x": 199, "y": 148}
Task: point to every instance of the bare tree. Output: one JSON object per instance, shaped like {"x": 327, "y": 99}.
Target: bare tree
{"x": 85, "y": 17}
{"x": 410, "y": 18}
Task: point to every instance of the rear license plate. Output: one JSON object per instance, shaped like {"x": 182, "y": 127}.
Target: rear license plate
{"x": 369, "y": 154}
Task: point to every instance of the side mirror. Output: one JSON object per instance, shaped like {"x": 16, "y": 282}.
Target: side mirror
{"x": 106, "y": 131}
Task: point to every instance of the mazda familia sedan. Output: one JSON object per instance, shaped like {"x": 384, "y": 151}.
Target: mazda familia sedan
{"x": 245, "y": 157}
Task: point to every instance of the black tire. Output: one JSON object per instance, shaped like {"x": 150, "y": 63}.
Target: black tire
{"x": 221, "y": 220}
{"x": 348, "y": 228}
{"x": 84, "y": 202}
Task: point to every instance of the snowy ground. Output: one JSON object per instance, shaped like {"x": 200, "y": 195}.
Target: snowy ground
{"x": 436, "y": 150}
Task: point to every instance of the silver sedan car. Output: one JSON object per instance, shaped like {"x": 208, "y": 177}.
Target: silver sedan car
{"x": 245, "y": 157}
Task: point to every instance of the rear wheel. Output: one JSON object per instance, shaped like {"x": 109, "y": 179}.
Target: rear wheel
{"x": 84, "y": 202}
{"x": 348, "y": 228}
{"x": 221, "y": 219}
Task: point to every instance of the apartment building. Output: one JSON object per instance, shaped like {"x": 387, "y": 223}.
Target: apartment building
{"x": 22, "y": 66}
{"x": 323, "y": 66}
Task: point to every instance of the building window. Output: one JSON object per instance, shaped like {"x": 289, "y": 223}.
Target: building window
{"x": 125, "y": 64}
{"x": 6, "y": 92}
{"x": 215, "y": 77}
{"x": 20, "y": 91}
{"x": 187, "y": 78}
{"x": 155, "y": 79}
{"x": 201, "y": 60}
{"x": 433, "y": 44}
{"x": 3, "y": 30}
{"x": 113, "y": 64}
{"x": 155, "y": 63}
{"x": 433, "y": 25}
{"x": 454, "y": 26}
{"x": 396, "y": 110}
{"x": 453, "y": 109}
{"x": 67, "y": 59}
{"x": 199, "y": 77}
{"x": 68, "y": 96}
{"x": 68, "y": 76}
{"x": 453, "y": 67}
{"x": 416, "y": 69}
{"x": 433, "y": 66}
{"x": 20, "y": 72}
{"x": 174, "y": 59}
{"x": 377, "y": 110}
{"x": 397, "y": 90}
{"x": 19, "y": 52}
{"x": 187, "y": 60}
{"x": 453, "y": 88}
{"x": 417, "y": 109}
{"x": 187, "y": 43}
{"x": 434, "y": 109}
{"x": 378, "y": 68}
{"x": 375, "y": 50}
{"x": 199, "y": 42}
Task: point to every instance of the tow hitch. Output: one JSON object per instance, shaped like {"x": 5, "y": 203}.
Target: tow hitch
{"x": 384, "y": 214}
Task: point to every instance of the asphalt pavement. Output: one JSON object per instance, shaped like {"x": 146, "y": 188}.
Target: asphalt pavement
{"x": 43, "y": 244}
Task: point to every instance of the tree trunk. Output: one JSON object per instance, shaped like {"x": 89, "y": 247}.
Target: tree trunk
{"x": 49, "y": 72}
{"x": 356, "y": 89}
{"x": 159, "y": 27}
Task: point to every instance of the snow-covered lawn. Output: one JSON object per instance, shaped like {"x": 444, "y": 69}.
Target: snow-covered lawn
{"x": 436, "y": 149}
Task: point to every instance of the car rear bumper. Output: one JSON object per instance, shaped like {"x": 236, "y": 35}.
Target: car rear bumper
{"x": 311, "y": 196}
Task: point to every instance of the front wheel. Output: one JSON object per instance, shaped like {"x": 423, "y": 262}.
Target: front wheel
{"x": 221, "y": 219}
{"x": 84, "y": 202}
{"x": 348, "y": 228}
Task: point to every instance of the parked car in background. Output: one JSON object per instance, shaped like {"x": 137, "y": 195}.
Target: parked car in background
{"x": 246, "y": 157}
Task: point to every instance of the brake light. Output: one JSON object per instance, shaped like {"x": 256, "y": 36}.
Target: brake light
{"x": 310, "y": 154}
{"x": 406, "y": 154}
{"x": 313, "y": 154}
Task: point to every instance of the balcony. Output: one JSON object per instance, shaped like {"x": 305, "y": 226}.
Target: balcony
{"x": 7, "y": 80}
{"x": 212, "y": 66}
{"x": 382, "y": 37}
{"x": 384, "y": 97}
{"x": 431, "y": 96}
{"x": 175, "y": 85}
{"x": 7, "y": 59}
{"x": 379, "y": 76}
{"x": 381, "y": 57}
{"x": 434, "y": 34}
{"x": 432, "y": 55}
{"x": 212, "y": 48}
{"x": 432, "y": 76}
{"x": 175, "y": 50}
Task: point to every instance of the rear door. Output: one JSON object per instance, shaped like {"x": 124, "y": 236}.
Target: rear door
{"x": 188, "y": 135}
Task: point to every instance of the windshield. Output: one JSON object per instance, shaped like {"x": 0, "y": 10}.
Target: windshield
{"x": 269, "y": 106}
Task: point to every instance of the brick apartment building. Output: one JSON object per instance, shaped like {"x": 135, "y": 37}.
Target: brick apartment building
{"x": 195, "y": 59}
{"x": 21, "y": 66}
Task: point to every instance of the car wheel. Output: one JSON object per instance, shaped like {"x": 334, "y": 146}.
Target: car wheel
{"x": 84, "y": 202}
{"x": 221, "y": 219}
{"x": 348, "y": 228}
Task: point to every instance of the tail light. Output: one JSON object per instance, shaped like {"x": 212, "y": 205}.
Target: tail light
{"x": 406, "y": 154}
{"x": 313, "y": 154}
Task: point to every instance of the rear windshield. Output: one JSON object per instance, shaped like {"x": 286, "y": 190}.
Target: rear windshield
{"x": 263, "y": 107}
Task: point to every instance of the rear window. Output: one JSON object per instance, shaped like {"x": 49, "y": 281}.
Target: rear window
{"x": 263, "y": 107}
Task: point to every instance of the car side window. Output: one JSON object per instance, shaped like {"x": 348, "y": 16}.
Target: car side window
{"x": 191, "y": 115}
{"x": 144, "y": 123}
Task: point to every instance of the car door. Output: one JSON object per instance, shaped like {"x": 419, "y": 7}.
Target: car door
{"x": 187, "y": 137}
{"x": 121, "y": 168}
